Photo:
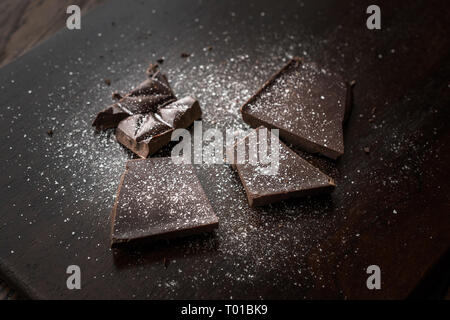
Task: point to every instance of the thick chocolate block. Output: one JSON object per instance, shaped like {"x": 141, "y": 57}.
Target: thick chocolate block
{"x": 149, "y": 96}
{"x": 144, "y": 134}
{"x": 295, "y": 176}
{"x": 158, "y": 199}
{"x": 307, "y": 104}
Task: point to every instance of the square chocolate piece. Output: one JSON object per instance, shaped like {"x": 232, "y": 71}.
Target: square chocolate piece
{"x": 144, "y": 134}
{"x": 306, "y": 104}
{"x": 158, "y": 199}
{"x": 294, "y": 177}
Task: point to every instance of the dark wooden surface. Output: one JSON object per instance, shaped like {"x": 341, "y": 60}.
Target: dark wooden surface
{"x": 23, "y": 25}
{"x": 391, "y": 206}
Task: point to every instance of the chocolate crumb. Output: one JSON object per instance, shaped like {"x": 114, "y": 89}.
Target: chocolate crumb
{"x": 366, "y": 149}
{"x": 152, "y": 68}
{"x": 209, "y": 48}
{"x": 185, "y": 55}
{"x": 50, "y": 132}
{"x": 160, "y": 60}
{"x": 166, "y": 263}
{"x": 374, "y": 109}
{"x": 108, "y": 82}
{"x": 116, "y": 95}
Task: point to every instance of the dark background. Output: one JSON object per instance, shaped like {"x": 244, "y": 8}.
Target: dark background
{"x": 22, "y": 26}
{"x": 391, "y": 206}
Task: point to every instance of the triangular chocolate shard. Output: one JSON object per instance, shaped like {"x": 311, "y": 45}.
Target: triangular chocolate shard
{"x": 144, "y": 104}
{"x": 109, "y": 117}
{"x": 306, "y": 104}
{"x": 157, "y": 84}
{"x": 268, "y": 183}
{"x": 158, "y": 199}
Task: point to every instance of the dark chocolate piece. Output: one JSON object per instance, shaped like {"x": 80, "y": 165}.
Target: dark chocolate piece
{"x": 157, "y": 84}
{"x": 144, "y": 134}
{"x": 149, "y": 96}
{"x": 307, "y": 104}
{"x": 294, "y": 178}
{"x": 158, "y": 199}
{"x": 109, "y": 117}
{"x": 143, "y": 103}
{"x": 116, "y": 95}
{"x": 181, "y": 113}
{"x": 152, "y": 69}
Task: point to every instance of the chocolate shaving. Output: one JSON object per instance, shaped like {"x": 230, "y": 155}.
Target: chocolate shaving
{"x": 116, "y": 95}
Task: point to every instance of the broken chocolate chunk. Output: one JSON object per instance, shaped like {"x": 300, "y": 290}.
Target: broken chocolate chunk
{"x": 149, "y": 127}
{"x": 158, "y": 199}
{"x": 307, "y": 104}
{"x": 144, "y": 134}
{"x": 109, "y": 117}
{"x": 116, "y": 95}
{"x": 157, "y": 84}
{"x": 144, "y": 103}
{"x": 181, "y": 113}
{"x": 149, "y": 96}
{"x": 266, "y": 182}
{"x": 152, "y": 69}
{"x": 185, "y": 55}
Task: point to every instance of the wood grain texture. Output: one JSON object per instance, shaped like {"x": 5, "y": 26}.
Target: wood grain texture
{"x": 25, "y": 23}
{"x": 390, "y": 206}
